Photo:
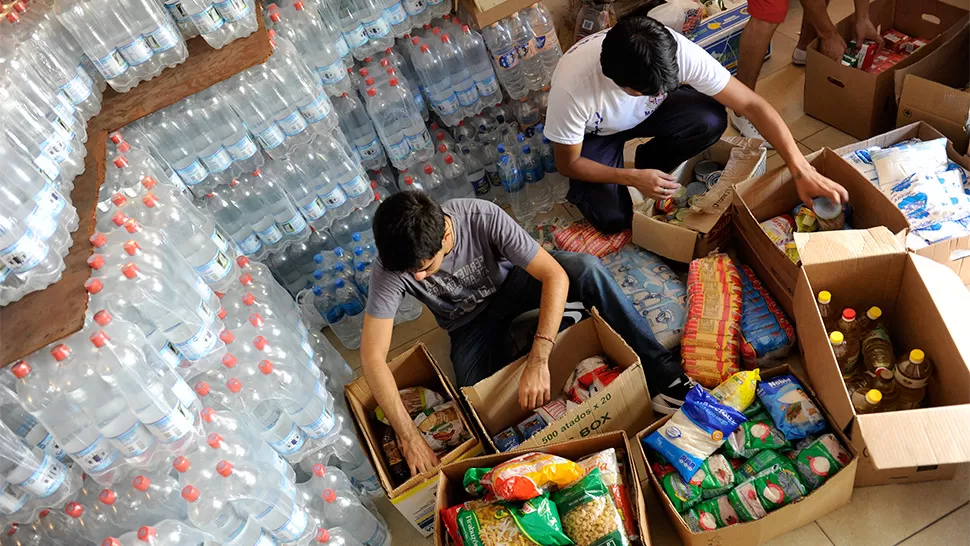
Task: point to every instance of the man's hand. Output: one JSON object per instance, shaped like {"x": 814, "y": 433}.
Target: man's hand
{"x": 865, "y": 30}
{"x": 832, "y": 47}
{"x": 534, "y": 385}
{"x": 652, "y": 183}
{"x": 809, "y": 183}
{"x": 418, "y": 453}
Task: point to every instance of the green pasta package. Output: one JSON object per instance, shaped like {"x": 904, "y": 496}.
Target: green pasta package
{"x": 589, "y": 515}
{"x": 535, "y": 521}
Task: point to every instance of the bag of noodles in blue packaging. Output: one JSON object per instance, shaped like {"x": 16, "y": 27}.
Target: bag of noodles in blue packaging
{"x": 694, "y": 432}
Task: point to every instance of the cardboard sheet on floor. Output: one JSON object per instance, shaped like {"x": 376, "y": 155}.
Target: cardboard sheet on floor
{"x": 925, "y": 306}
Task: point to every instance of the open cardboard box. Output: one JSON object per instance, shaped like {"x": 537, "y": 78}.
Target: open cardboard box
{"x": 702, "y": 231}
{"x": 451, "y": 491}
{"x": 930, "y": 90}
{"x": 774, "y": 193}
{"x": 954, "y": 253}
{"x": 623, "y": 405}
{"x": 415, "y": 497}
{"x": 925, "y": 306}
{"x": 835, "y": 492}
{"x": 864, "y": 104}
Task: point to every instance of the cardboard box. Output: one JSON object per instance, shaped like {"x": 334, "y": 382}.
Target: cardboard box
{"x": 774, "y": 193}
{"x": 451, "y": 492}
{"x": 835, "y": 492}
{"x": 702, "y": 231}
{"x": 415, "y": 497}
{"x": 926, "y": 306}
{"x": 623, "y": 405}
{"x": 863, "y": 104}
{"x": 485, "y": 12}
{"x": 930, "y": 90}
{"x": 954, "y": 253}
{"x": 720, "y": 35}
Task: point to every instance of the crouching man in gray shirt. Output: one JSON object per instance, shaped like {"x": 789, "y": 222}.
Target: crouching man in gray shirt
{"x": 476, "y": 270}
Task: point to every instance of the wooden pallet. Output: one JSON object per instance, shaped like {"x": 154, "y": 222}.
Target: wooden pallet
{"x": 45, "y": 316}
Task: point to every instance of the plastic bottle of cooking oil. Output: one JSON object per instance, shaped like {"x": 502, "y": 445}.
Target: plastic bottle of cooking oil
{"x": 847, "y": 356}
{"x": 885, "y": 383}
{"x": 866, "y": 401}
{"x": 912, "y": 374}
{"x": 825, "y": 309}
{"x": 877, "y": 349}
{"x": 849, "y": 326}
{"x": 870, "y": 320}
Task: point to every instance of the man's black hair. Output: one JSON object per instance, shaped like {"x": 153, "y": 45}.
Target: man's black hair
{"x": 641, "y": 54}
{"x": 408, "y": 229}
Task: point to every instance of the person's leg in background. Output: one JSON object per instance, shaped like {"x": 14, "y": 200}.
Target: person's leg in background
{"x": 806, "y": 35}
{"x": 766, "y": 15}
{"x": 606, "y": 206}
{"x": 591, "y": 283}
{"x": 686, "y": 123}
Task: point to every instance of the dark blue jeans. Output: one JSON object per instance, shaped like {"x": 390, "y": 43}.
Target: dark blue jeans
{"x": 483, "y": 346}
{"x": 686, "y": 124}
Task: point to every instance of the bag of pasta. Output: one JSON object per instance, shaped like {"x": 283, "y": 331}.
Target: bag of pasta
{"x": 530, "y": 475}
{"x": 612, "y": 471}
{"x": 589, "y": 516}
{"x": 712, "y": 334}
{"x": 532, "y": 522}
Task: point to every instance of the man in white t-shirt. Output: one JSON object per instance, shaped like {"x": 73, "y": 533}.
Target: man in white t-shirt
{"x": 641, "y": 79}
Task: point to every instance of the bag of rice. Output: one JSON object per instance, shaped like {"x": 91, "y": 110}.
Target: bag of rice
{"x": 778, "y": 488}
{"x": 530, "y": 475}
{"x": 752, "y": 437}
{"x": 715, "y": 478}
{"x": 694, "y": 432}
{"x": 682, "y": 495}
{"x": 716, "y": 513}
{"x": 711, "y": 339}
{"x": 535, "y": 521}
{"x": 744, "y": 498}
{"x": 792, "y": 411}
{"x": 589, "y": 516}
{"x": 613, "y": 474}
{"x": 739, "y": 390}
{"x": 766, "y": 460}
{"x": 821, "y": 460}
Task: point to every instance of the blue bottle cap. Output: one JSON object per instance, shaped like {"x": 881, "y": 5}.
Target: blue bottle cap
{"x": 520, "y": 137}
{"x": 358, "y": 251}
{"x": 355, "y": 237}
{"x": 318, "y": 258}
{"x": 361, "y": 266}
{"x": 317, "y": 290}
{"x": 527, "y": 149}
{"x": 339, "y": 267}
{"x": 501, "y": 148}
{"x": 318, "y": 274}
{"x": 339, "y": 283}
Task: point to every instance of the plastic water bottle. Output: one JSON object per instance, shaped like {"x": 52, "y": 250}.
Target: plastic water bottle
{"x": 548, "y": 49}
{"x": 461, "y": 77}
{"x": 525, "y": 47}
{"x": 476, "y": 58}
{"x": 475, "y": 174}
{"x": 435, "y": 185}
{"x": 436, "y": 82}
{"x": 454, "y": 174}
{"x": 37, "y": 473}
{"x": 505, "y": 58}
{"x": 350, "y": 515}
{"x": 359, "y": 130}
{"x": 234, "y": 222}
{"x": 514, "y": 184}
{"x": 537, "y": 189}
{"x": 559, "y": 184}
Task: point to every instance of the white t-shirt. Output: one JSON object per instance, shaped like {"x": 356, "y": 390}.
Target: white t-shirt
{"x": 584, "y": 101}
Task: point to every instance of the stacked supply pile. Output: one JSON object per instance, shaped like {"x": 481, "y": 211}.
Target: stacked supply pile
{"x": 745, "y": 449}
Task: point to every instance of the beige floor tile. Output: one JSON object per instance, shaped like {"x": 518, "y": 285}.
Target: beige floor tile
{"x": 775, "y": 160}
{"x": 805, "y": 126}
{"x": 887, "y": 514}
{"x": 408, "y": 331}
{"x": 781, "y": 49}
{"x": 806, "y": 535}
{"x": 830, "y": 137}
{"x": 954, "y": 529}
{"x": 352, "y": 356}
{"x": 785, "y": 90}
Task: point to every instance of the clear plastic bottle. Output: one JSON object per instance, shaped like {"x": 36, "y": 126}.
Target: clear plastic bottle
{"x": 436, "y": 82}
{"x": 536, "y": 188}
{"x": 845, "y": 354}
{"x": 462, "y": 80}
{"x": 548, "y": 49}
{"x": 877, "y": 349}
{"x": 913, "y": 372}
{"x": 850, "y": 328}
{"x": 348, "y": 513}
{"x": 827, "y": 310}
{"x": 869, "y": 321}
{"x": 867, "y": 402}
{"x": 475, "y": 174}
{"x": 476, "y": 56}
{"x": 885, "y": 383}
{"x": 514, "y": 184}
{"x": 525, "y": 47}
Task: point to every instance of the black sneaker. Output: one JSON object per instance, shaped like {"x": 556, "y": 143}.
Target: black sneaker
{"x": 672, "y": 398}
{"x": 574, "y": 312}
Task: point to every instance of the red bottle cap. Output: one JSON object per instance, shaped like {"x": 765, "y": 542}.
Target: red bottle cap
{"x": 98, "y": 240}
{"x": 141, "y": 483}
{"x": 110, "y": 541}
{"x": 428, "y": 169}
{"x": 229, "y": 360}
{"x": 234, "y": 385}
{"x": 130, "y": 270}
{"x": 150, "y": 200}
{"x": 118, "y": 200}
{"x": 242, "y": 261}
{"x": 323, "y": 536}
{"x": 248, "y": 298}
{"x": 246, "y": 279}
{"x": 116, "y": 138}
{"x": 214, "y": 440}
{"x": 848, "y": 314}
{"x": 328, "y": 495}
{"x": 102, "y": 317}
{"x": 224, "y": 468}
{"x": 99, "y": 339}
{"x": 121, "y": 162}
{"x": 319, "y": 470}
{"x": 119, "y": 218}
{"x": 146, "y": 532}
{"x": 20, "y": 369}
{"x": 148, "y": 182}
{"x": 260, "y": 342}
{"x": 131, "y": 247}
{"x": 256, "y": 320}
{"x": 202, "y": 388}
{"x": 227, "y": 337}
{"x": 190, "y": 493}
{"x": 449, "y": 160}
{"x": 208, "y": 414}
{"x": 107, "y": 496}
{"x": 265, "y": 367}
{"x": 93, "y": 286}
{"x": 181, "y": 464}
{"x": 74, "y": 509}
{"x": 61, "y": 352}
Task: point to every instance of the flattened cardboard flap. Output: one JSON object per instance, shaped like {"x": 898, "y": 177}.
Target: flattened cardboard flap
{"x": 929, "y": 436}
{"x": 836, "y": 246}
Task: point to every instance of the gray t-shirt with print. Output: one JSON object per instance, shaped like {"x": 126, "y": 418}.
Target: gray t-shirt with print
{"x": 488, "y": 243}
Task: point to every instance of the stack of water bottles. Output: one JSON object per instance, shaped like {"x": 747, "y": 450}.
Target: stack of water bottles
{"x": 127, "y": 42}
{"x": 172, "y": 303}
{"x": 47, "y": 94}
{"x": 525, "y": 50}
